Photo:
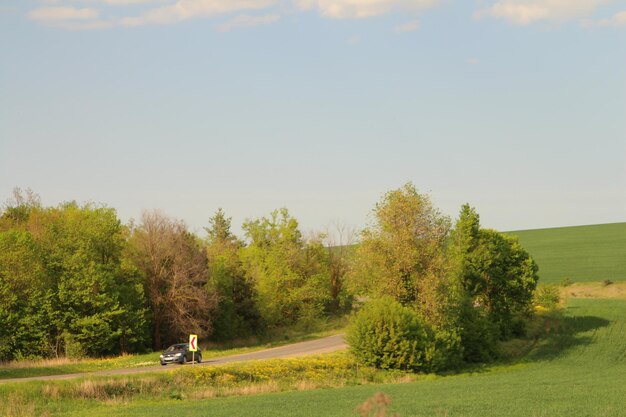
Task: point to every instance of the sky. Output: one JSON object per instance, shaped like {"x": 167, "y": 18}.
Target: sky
{"x": 517, "y": 107}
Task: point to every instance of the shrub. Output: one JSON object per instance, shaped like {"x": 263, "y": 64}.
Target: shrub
{"x": 547, "y": 297}
{"x": 607, "y": 282}
{"x": 479, "y": 335}
{"x": 387, "y": 335}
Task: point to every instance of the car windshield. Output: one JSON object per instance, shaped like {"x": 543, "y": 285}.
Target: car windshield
{"x": 175, "y": 348}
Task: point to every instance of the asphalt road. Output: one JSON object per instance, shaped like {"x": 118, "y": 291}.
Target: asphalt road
{"x": 311, "y": 347}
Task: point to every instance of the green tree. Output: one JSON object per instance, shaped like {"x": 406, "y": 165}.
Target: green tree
{"x": 94, "y": 300}
{"x": 65, "y": 265}
{"x": 340, "y": 243}
{"x": 237, "y": 314}
{"x": 289, "y": 274}
{"x": 402, "y": 254}
{"x": 21, "y": 275}
{"x": 498, "y": 275}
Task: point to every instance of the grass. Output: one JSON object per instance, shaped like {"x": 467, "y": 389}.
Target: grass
{"x": 64, "y": 366}
{"x": 580, "y": 253}
{"x": 578, "y": 370}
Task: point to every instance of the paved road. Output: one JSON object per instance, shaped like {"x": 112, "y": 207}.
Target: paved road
{"x": 311, "y": 347}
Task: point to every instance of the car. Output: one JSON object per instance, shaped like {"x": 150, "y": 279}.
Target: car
{"x": 180, "y": 353}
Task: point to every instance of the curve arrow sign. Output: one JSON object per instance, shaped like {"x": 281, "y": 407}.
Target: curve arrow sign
{"x": 193, "y": 343}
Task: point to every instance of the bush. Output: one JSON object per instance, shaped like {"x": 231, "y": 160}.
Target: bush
{"x": 547, "y": 297}
{"x": 479, "y": 335}
{"x": 387, "y": 335}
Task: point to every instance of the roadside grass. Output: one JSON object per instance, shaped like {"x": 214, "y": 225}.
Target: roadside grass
{"x": 579, "y": 253}
{"x": 191, "y": 384}
{"x": 63, "y": 366}
{"x": 577, "y": 369}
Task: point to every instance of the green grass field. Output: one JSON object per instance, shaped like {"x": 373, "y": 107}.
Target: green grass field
{"x": 580, "y": 253}
{"x": 578, "y": 370}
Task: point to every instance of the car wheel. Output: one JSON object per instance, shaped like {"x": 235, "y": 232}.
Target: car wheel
{"x": 184, "y": 360}
{"x": 199, "y": 358}
{"x": 163, "y": 363}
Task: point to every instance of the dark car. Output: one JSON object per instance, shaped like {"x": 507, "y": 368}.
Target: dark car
{"x": 180, "y": 353}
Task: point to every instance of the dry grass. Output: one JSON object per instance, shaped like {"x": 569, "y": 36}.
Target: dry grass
{"x": 595, "y": 290}
{"x": 39, "y": 363}
{"x": 214, "y": 392}
{"x": 17, "y": 405}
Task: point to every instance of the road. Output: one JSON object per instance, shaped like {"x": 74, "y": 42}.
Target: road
{"x": 311, "y": 347}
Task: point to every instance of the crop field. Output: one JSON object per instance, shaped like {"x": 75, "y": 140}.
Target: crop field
{"x": 580, "y": 253}
{"x": 578, "y": 370}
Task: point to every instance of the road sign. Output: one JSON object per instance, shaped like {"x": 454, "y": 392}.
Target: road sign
{"x": 193, "y": 343}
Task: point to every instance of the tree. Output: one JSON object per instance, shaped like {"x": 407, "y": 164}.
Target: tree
{"x": 74, "y": 294}
{"x": 288, "y": 274}
{"x": 340, "y": 240}
{"x": 21, "y": 275}
{"x": 498, "y": 275}
{"x": 173, "y": 265}
{"x": 402, "y": 254}
{"x": 17, "y": 209}
{"x": 237, "y": 314}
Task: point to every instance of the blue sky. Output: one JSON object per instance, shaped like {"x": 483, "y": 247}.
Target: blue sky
{"x": 515, "y": 106}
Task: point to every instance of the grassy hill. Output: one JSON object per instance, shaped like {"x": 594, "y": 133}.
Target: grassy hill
{"x": 580, "y": 253}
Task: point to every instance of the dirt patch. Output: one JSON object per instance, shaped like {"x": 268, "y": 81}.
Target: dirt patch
{"x": 595, "y": 290}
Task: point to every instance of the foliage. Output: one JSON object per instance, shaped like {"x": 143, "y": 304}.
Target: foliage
{"x": 387, "y": 335}
{"x": 237, "y": 315}
{"x": 402, "y": 254}
{"x": 479, "y": 336}
{"x": 289, "y": 274}
{"x": 340, "y": 244}
{"x": 547, "y": 297}
{"x": 497, "y": 274}
{"x": 173, "y": 267}
{"x": 65, "y": 280}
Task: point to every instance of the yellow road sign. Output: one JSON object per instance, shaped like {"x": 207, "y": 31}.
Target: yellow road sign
{"x": 193, "y": 343}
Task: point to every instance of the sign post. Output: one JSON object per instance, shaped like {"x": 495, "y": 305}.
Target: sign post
{"x": 193, "y": 346}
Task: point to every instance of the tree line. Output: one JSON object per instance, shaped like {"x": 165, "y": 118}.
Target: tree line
{"x": 76, "y": 281}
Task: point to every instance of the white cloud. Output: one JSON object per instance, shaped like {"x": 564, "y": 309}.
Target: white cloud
{"x": 245, "y": 21}
{"x": 189, "y": 9}
{"x": 47, "y": 14}
{"x": 525, "y": 12}
{"x": 473, "y": 61}
{"x": 618, "y": 20}
{"x": 129, "y": 2}
{"x": 358, "y": 9}
{"x": 407, "y": 27}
